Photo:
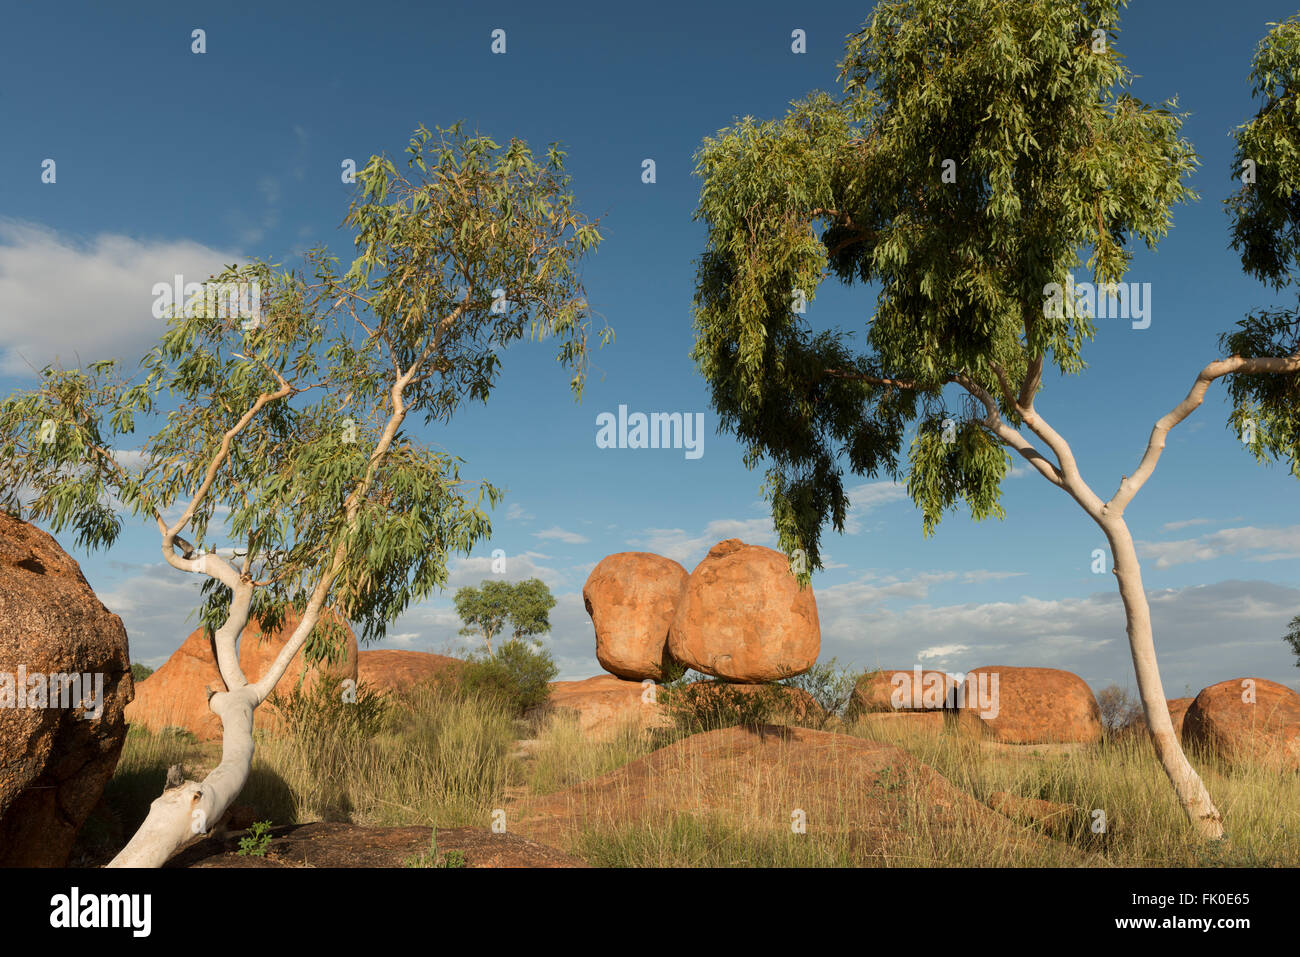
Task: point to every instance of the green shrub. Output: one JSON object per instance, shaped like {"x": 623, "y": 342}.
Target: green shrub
{"x": 829, "y": 685}
{"x": 695, "y": 706}
{"x": 258, "y": 840}
{"x": 518, "y": 675}
{"x": 139, "y": 672}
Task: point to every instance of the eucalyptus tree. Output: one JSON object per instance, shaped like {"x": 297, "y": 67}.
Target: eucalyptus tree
{"x": 486, "y": 609}
{"x": 978, "y": 148}
{"x": 290, "y": 435}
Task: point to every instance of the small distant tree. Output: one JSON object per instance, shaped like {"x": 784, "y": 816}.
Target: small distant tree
{"x": 1292, "y": 638}
{"x": 489, "y": 608}
{"x": 530, "y": 613}
{"x": 287, "y": 432}
{"x": 1118, "y": 707}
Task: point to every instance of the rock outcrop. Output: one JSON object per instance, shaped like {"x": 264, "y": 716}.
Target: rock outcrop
{"x": 632, "y": 598}
{"x": 1247, "y": 721}
{"x": 392, "y": 669}
{"x": 604, "y": 705}
{"x": 1029, "y": 706}
{"x": 916, "y": 690}
{"x": 743, "y": 617}
{"x": 55, "y": 757}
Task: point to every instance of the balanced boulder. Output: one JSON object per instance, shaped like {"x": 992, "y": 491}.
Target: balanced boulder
{"x": 1245, "y": 721}
{"x": 65, "y": 678}
{"x": 744, "y": 617}
{"x": 1029, "y": 706}
{"x": 176, "y": 694}
{"x": 631, "y": 598}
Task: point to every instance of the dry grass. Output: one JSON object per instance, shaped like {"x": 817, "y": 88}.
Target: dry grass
{"x": 563, "y": 757}
{"x": 439, "y": 756}
{"x": 731, "y": 798}
{"x": 1144, "y": 825}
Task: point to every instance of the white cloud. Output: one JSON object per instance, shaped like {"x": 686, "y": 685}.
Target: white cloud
{"x": 687, "y": 548}
{"x": 866, "y": 498}
{"x": 515, "y": 512}
{"x": 562, "y": 535}
{"x": 1203, "y": 634}
{"x": 66, "y": 298}
{"x": 1275, "y": 543}
{"x": 1186, "y": 523}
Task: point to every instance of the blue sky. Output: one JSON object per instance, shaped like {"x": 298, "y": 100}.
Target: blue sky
{"x": 171, "y": 162}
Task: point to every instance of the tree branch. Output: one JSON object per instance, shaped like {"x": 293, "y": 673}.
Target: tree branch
{"x": 1129, "y": 486}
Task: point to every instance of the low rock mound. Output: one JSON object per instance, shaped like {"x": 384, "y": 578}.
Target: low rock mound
{"x": 760, "y": 778}
{"x": 916, "y": 690}
{"x": 1247, "y": 720}
{"x": 605, "y": 705}
{"x": 1177, "y": 711}
{"x": 386, "y": 669}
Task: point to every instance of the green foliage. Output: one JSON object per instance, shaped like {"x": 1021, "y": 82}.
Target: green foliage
{"x": 695, "y": 706}
{"x": 524, "y": 606}
{"x": 1266, "y": 232}
{"x": 518, "y": 675}
{"x": 139, "y": 672}
{"x": 1292, "y": 638}
{"x": 258, "y": 840}
{"x": 288, "y": 432}
{"x": 1266, "y": 213}
{"x": 331, "y": 710}
{"x": 828, "y": 684}
{"x": 1052, "y": 154}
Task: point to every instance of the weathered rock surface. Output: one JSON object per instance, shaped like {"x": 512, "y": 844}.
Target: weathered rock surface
{"x": 632, "y": 598}
{"x": 758, "y": 778}
{"x": 391, "y": 669}
{"x": 744, "y": 618}
{"x": 885, "y": 691}
{"x": 54, "y": 760}
{"x": 605, "y": 705}
{"x": 1177, "y": 711}
{"x": 1029, "y": 706}
{"x": 1263, "y": 729}
{"x": 324, "y": 844}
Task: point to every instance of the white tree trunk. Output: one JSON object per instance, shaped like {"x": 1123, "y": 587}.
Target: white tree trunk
{"x": 1192, "y": 795}
{"x": 190, "y": 809}
{"x": 193, "y": 807}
